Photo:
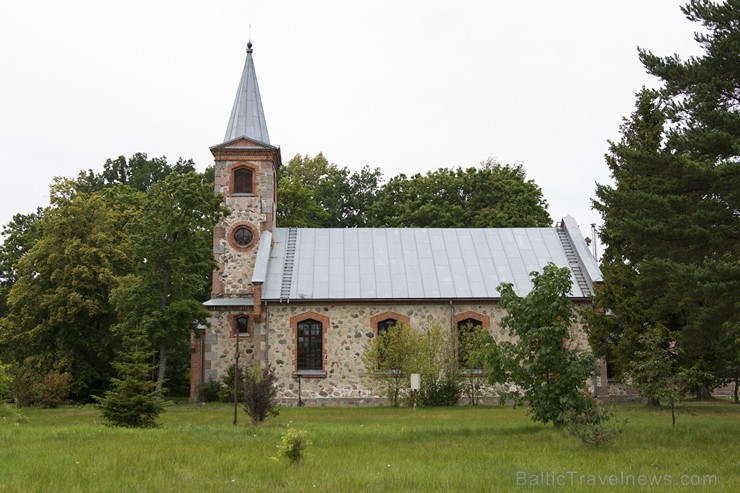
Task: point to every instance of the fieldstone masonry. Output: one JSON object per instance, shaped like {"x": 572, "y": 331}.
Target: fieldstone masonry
{"x": 347, "y": 336}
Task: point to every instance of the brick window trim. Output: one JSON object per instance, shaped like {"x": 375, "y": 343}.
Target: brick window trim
{"x": 232, "y": 167}
{"x": 485, "y": 321}
{"x": 242, "y": 224}
{"x": 376, "y": 319}
{"x": 232, "y": 325}
{"x": 294, "y": 321}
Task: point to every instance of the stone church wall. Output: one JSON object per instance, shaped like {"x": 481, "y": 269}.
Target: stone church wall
{"x": 346, "y": 334}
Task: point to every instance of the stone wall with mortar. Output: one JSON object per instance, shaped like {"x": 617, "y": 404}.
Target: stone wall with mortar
{"x": 347, "y": 336}
{"x": 236, "y": 265}
{"x": 220, "y": 345}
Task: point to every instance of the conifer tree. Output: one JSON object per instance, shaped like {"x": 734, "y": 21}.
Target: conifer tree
{"x": 133, "y": 401}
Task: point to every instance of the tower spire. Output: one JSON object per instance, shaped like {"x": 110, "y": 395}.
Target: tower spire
{"x": 247, "y": 116}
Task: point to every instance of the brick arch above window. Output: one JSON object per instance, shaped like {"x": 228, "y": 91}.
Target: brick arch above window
{"x": 302, "y": 317}
{"x": 242, "y": 166}
{"x": 484, "y": 320}
{"x": 375, "y": 319}
{"x": 234, "y": 228}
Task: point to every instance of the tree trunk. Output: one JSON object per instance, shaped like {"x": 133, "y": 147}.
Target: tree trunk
{"x": 734, "y": 394}
{"x": 164, "y": 292}
{"x": 162, "y": 364}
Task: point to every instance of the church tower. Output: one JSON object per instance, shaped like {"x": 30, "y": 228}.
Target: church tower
{"x": 246, "y": 167}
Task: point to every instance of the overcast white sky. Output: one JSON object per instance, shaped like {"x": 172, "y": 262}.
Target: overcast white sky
{"x": 406, "y": 86}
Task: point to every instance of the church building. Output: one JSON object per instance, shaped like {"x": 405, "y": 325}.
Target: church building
{"x": 307, "y": 301}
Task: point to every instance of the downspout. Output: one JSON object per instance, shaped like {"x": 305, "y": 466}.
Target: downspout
{"x": 452, "y": 329}
{"x": 203, "y": 357}
{"x": 267, "y": 336}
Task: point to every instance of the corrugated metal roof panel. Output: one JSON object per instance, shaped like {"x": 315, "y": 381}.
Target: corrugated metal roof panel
{"x": 413, "y": 263}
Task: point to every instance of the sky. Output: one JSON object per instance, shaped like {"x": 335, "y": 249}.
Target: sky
{"x": 407, "y": 86}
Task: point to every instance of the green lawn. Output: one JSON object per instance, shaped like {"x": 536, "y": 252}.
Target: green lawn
{"x": 368, "y": 449}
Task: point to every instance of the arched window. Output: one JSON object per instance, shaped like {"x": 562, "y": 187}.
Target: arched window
{"x": 383, "y": 327}
{"x": 386, "y": 324}
{"x": 465, "y": 328}
{"x": 310, "y": 351}
{"x": 242, "y": 180}
{"x": 242, "y": 325}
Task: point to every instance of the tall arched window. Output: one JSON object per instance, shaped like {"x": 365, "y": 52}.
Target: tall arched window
{"x": 310, "y": 351}
{"x": 242, "y": 180}
{"x": 383, "y": 327}
{"x": 464, "y": 329}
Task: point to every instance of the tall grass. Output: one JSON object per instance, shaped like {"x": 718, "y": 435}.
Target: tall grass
{"x": 368, "y": 449}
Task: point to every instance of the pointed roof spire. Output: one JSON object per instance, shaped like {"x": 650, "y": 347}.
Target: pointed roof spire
{"x": 247, "y": 116}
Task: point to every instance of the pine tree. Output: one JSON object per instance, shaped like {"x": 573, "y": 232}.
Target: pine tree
{"x": 671, "y": 219}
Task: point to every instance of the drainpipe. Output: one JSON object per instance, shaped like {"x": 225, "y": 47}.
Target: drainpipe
{"x": 267, "y": 336}
{"x": 452, "y": 327}
{"x": 203, "y": 356}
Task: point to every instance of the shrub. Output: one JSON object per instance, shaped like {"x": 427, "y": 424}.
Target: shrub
{"x": 208, "y": 391}
{"x": 22, "y": 385}
{"x": 260, "y": 394}
{"x": 443, "y": 392}
{"x": 5, "y": 381}
{"x": 52, "y": 390}
{"x": 11, "y": 414}
{"x": 592, "y": 423}
{"x": 292, "y": 445}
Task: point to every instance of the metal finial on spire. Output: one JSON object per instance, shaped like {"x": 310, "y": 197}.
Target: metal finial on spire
{"x": 249, "y": 46}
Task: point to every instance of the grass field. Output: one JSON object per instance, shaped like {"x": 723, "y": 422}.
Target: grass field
{"x": 369, "y": 449}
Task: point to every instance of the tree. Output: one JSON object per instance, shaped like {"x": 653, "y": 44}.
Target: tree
{"x": 59, "y": 316}
{"x": 171, "y": 244}
{"x": 138, "y": 172}
{"x": 260, "y": 394}
{"x": 314, "y": 193}
{"x": 435, "y": 363}
{"x": 391, "y": 358}
{"x": 655, "y": 370}
{"x": 544, "y": 363}
{"x": 5, "y": 381}
{"x": 133, "y": 401}
{"x": 672, "y": 215}
{"x": 20, "y": 235}
{"x": 471, "y": 343}
{"x": 491, "y": 196}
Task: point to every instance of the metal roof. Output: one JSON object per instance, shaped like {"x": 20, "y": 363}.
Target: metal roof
{"x": 229, "y": 302}
{"x": 247, "y": 116}
{"x": 416, "y": 263}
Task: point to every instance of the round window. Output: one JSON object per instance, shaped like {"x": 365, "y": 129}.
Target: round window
{"x": 243, "y": 236}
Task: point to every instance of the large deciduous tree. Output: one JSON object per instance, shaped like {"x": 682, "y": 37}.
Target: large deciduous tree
{"x": 59, "y": 316}
{"x": 172, "y": 250}
{"x": 315, "y": 193}
{"x": 672, "y": 216}
{"x": 493, "y": 195}
{"x": 19, "y": 236}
